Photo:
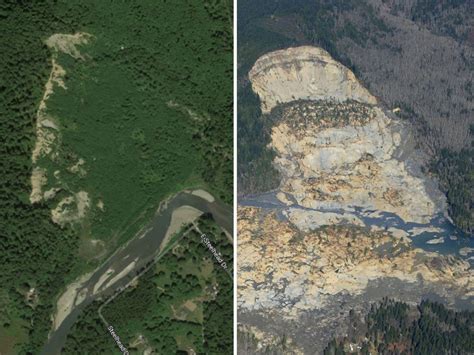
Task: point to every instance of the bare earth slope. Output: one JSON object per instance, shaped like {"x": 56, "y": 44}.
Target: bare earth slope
{"x": 340, "y": 230}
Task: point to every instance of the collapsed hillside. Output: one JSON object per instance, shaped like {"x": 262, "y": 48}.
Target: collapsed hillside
{"x": 414, "y": 56}
{"x": 339, "y": 230}
{"x": 337, "y": 149}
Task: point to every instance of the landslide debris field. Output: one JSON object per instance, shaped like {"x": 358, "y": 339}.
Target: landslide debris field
{"x": 350, "y": 213}
{"x": 414, "y": 57}
{"x": 107, "y": 108}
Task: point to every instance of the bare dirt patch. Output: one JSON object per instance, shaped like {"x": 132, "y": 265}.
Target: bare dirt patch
{"x": 66, "y": 301}
{"x": 204, "y": 194}
{"x": 67, "y": 43}
{"x": 71, "y": 209}
{"x": 48, "y": 136}
{"x": 38, "y": 180}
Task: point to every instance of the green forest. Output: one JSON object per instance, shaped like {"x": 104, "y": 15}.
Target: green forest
{"x": 455, "y": 171}
{"x": 394, "y": 327}
{"x": 148, "y": 106}
{"x": 183, "y": 302}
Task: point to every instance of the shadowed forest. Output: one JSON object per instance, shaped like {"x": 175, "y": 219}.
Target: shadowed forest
{"x": 390, "y": 328}
{"x": 394, "y": 327}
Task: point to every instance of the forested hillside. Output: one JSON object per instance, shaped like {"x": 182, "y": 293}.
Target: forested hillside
{"x": 148, "y": 107}
{"x": 394, "y": 327}
{"x": 413, "y": 55}
{"x": 35, "y": 253}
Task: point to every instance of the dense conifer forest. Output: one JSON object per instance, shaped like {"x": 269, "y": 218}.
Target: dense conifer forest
{"x": 393, "y": 327}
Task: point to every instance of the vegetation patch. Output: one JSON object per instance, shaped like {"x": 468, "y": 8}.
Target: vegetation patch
{"x": 455, "y": 170}
{"x": 394, "y": 327}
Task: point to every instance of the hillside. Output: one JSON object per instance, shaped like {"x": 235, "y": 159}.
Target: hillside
{"x": 415, "y": 57}
{"x": 355, "y": 216}
{"x": 106, "y": 109}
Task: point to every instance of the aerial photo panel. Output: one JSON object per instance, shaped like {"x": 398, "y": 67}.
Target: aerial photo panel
{"x": 237, "y": 177}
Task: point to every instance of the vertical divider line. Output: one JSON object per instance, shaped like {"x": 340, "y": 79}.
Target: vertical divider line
{"x": 235, "y": 173}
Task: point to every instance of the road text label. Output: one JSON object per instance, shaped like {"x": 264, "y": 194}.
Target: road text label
{"x": 217, "y": 255}
{"x": 122, "y": 348}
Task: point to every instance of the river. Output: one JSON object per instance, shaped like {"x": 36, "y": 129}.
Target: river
{"x": 143, "y": 248}
{"x": 447, "y": 239}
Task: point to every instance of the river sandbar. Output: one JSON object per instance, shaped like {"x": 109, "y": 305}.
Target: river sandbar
{"x": 179, "y": 217}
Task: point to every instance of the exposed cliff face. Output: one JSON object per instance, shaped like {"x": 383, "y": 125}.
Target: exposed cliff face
{"x": 304, "y": 73}
{"x": 335, "y": 149}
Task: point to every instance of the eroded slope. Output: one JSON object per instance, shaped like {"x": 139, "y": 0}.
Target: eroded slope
{"x": 337, "y": 232}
